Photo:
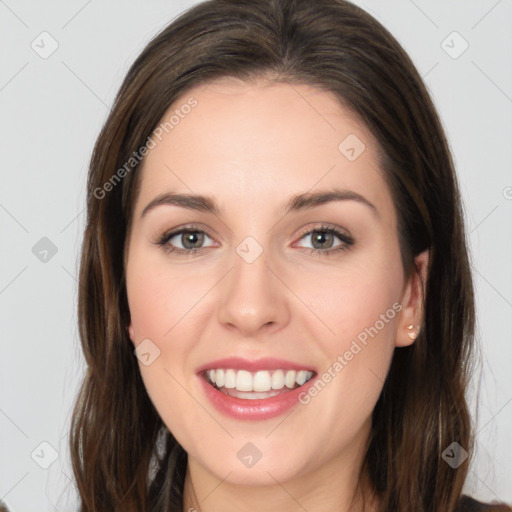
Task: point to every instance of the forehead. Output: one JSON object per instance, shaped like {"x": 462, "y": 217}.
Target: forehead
{"x": 258, "y": 142}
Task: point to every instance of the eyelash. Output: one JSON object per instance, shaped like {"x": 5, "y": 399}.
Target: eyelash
{"x": 346, "y": 240}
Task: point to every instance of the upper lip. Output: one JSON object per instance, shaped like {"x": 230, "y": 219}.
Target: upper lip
{"x": 253, "y": 365}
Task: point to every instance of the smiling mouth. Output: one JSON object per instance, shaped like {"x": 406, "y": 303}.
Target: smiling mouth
{"x": 256, "y": 385}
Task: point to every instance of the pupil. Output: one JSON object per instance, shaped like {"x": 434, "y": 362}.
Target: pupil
{"x": 192, "y": 238}
{"x": 321, "y": 238}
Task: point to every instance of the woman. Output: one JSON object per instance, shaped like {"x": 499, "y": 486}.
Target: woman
{"x": 276, "y": 306}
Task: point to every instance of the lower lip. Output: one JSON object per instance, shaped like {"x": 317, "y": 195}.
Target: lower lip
{"x": 261, "y": 409}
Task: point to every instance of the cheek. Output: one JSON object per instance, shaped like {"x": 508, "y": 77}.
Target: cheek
{"x": 353, "y": 301}
{"x": 354, "y": 325}
{"x": 162, "y": 310}
{"x": 356, "y": 308}
{"x": 161, "y": 297}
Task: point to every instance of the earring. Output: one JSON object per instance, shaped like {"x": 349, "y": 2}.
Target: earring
{"x": 412, "y": 334}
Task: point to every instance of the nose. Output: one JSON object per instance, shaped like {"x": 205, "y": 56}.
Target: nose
{"x": 252, "y": 298}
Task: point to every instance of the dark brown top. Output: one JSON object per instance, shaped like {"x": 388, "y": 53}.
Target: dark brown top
{"x": 467, "y": 504}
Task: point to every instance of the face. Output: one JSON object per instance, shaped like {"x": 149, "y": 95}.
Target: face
{"x": 311, "y": 285}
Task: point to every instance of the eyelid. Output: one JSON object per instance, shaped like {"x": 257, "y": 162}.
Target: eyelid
{"x": 342, "y": 234}
{"x": 322, "y": 226}
{"x": 186, "y": 227}
{"x": 346, "y": 240}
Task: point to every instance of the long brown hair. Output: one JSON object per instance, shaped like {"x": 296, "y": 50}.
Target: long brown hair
{"x": 123, "y": 457}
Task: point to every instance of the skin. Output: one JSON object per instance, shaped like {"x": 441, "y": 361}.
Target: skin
{"x": 251, "y": 147}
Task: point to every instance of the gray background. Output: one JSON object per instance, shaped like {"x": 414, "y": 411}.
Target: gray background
{"x": 51, "y": 112}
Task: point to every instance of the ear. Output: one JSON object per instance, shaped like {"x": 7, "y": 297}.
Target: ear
{"x": 131, "y": 332}
{"x": 413, "y": 302}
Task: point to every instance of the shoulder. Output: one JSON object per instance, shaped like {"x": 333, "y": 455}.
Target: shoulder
{"x": 468, "y": 504}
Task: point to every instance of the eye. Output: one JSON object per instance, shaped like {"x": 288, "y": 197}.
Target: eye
{"x": 323, "y": 240}
{"x": 185, "y": 240}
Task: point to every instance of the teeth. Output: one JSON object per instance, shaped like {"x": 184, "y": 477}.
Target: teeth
{"x": 278, "y": 379}
{"x": 302, "y": 376}
{"x": 220, "y": 378}
{"x": 230, "y": 381}
{"x": 290, "y": 378}
{"x": 243, "y": 381}
{"x": 260, "y": 381}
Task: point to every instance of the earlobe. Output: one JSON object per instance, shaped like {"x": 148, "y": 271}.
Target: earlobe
{"x": 412, "y": 332}
{"x": 411, "y": 316}
{"x": 131, "y": 332}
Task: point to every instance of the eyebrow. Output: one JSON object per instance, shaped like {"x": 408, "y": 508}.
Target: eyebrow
{"x": 295, "y": 203}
